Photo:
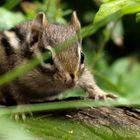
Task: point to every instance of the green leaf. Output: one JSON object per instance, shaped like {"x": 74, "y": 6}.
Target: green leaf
{"x": 116, "y": 9}
{"x": 107, "y": 0}
{"x": 138, "y": 17}
{"x": 59, "y": 128}
{"x": 10, "y": 4}
{"x": 9, "y": 19}
{"x": 12, "y": 131}
{"x": 111, "y": 11}
{"x": 127, "y": 73}
{"x": 117, "y": 33}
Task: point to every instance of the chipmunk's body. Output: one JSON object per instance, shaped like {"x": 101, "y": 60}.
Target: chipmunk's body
{"x": 63, "y": 70}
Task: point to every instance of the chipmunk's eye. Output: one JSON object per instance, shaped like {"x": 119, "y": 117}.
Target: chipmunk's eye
{"x": 47, "y": 56}
{"x": 82, "y": 58}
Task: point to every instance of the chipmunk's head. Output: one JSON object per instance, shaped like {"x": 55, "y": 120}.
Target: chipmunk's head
{"x": 62, "y": 44}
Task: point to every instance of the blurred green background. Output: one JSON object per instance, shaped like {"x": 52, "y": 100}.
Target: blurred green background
{"x": 111, "y": 42}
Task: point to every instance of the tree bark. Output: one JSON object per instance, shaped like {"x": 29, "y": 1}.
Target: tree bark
{"x": 110, "y": 122}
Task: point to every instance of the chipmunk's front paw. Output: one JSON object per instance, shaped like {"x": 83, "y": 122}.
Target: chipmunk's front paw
{"x": 21, "y": 116}
{"x": 102, "y": 96}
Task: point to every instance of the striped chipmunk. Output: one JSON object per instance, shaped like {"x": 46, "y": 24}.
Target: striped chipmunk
{"x": 62, "y": 71}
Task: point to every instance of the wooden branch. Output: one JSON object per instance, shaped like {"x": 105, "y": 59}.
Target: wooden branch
{"x": 109, "y": 122}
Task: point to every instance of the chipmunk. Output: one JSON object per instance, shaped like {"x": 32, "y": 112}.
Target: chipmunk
{"x": 62, "y": 71}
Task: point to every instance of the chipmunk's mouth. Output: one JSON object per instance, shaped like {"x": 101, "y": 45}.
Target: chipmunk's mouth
{"x": 70, "y": 83}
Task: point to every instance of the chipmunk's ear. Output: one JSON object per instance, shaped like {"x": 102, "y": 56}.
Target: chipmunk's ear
{"x": 75, "y": 22}
{"x": 39, "y": 22}
{"x": 38, "y": 25}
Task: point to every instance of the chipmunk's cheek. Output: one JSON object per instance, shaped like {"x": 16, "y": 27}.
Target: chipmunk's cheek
{"x": 58, "y": 77}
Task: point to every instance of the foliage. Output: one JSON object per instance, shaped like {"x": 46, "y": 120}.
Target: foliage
{"x": 9, "y": 19}
{"x": 138, "y": 17}
{"x": 122, "y": 77}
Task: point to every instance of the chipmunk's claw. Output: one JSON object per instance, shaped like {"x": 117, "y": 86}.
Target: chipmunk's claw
{"x": 103, "y": 96}
{"x": 111, "y": 96}
{"x": 21, "y": 116}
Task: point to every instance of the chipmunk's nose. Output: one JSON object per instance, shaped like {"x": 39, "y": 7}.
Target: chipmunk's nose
{"x": 71, "y": 81}
{"x": 72, "y": 76}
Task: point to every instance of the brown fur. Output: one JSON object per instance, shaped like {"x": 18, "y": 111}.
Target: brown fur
{"x": 47, "y": 80}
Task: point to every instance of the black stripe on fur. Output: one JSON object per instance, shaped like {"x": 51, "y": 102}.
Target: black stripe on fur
{"x": 6, "y": 45}
{"x": 18, "y": 34}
